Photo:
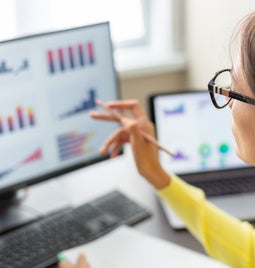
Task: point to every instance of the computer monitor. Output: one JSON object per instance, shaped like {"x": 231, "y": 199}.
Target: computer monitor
{"x": 48, "y": 85}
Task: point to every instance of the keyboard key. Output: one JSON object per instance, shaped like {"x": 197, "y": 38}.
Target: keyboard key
{"x": 230, "y": 186}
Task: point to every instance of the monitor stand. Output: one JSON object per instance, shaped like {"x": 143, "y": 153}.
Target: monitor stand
{"x": 27, "y": 205}
{"x": 13, "y": 214}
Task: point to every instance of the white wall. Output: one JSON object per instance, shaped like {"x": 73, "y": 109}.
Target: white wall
{"x": 209, "y": 25}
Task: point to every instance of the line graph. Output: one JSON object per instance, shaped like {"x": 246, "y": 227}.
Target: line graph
{"x": 34, "y": 156}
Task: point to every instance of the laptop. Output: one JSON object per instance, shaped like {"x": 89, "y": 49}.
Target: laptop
{"x": 201, "y": 139}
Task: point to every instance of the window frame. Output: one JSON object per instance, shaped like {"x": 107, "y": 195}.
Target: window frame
{"x": 162, "y": 49}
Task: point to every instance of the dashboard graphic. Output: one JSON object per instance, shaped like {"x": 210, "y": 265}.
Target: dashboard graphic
{"x": 85, "y": 104}
{"x": 34, "y": 156}
{"x": 49, "y": 84}
{"x": 71, "y": 57}
{"x": 179, "y": 155}
{"x": 22, "y": 117}
{"x": 74, "y": 144}
{"x": 179, "y": 109}
{"x": 5, "y": 68}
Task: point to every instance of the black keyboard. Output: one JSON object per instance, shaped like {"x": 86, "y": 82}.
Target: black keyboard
{"x": 245, "y": 184}
{"x": 37, "y": 244}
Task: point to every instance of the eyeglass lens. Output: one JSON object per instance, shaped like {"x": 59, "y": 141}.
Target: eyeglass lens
{"x": 223, "y": 80}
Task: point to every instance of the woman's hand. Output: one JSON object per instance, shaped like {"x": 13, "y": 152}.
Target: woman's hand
{"x": 133, "y": 122}
{"x": 81, "y": 263}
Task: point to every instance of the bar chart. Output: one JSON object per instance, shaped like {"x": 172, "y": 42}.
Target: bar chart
{"x": 84, "y": 104}
{"x": 74, "y": 144}
{"x": 71, "y": 57}
{"x": 20, "y": 118}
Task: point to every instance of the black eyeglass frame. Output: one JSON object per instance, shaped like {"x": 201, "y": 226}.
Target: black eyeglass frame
{"x": 226, "y": 91}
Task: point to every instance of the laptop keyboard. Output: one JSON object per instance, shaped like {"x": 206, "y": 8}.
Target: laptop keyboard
{"x": 229, "y": 186}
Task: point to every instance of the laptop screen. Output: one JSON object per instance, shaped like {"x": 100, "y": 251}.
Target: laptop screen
{"x": 199, "y": 135}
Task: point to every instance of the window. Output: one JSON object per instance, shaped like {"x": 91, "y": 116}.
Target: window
{"x": 8, "y": 23}
{"x": 119, "y": 13}
{"x": 142, "y": 30}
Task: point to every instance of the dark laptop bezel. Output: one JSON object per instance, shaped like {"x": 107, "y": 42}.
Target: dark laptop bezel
{"x": 194, "y": 177}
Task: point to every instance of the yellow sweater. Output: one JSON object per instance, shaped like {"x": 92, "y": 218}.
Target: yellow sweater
{"x": 224, "y": 237}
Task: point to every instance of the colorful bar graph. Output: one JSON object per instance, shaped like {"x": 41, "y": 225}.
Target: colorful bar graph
{"x": 70, "y": 57}
{"x": 20, "y": 119}
{"x": 73, "y": 144}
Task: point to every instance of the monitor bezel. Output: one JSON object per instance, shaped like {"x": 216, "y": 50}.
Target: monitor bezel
{"x": 10, "y": 189}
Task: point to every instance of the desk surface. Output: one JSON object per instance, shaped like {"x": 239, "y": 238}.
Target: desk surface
{"x": 87, "y": 183}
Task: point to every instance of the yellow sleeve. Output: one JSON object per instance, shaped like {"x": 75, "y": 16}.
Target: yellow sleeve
{"x": 224, "y": 237}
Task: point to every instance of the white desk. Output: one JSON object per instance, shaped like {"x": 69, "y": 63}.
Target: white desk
{"x": 87, "y": 183}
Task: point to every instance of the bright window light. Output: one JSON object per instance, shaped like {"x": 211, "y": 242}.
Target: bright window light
{"x": 144, "y": 32}
{"x": 7, "y": 19}
{"x": 126, "y": 17}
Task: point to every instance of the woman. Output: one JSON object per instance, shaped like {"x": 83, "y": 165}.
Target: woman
{"x": 223, "y": 237}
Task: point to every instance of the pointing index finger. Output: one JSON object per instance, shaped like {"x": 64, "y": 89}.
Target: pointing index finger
{"x": 107, "y": 108}
{"x": 132, "y": 105}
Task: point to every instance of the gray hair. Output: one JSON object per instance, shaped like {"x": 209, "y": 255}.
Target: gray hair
{"x": 243, "y": 40}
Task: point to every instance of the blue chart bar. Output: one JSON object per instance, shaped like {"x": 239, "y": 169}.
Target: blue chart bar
{"x": 1, "y": 126}
{"x": 4, "y": 68}
{"x": 91, "y": 53}
{"x": 51, "y": 61}
{"x": 61, "y": 59}
{"x": 85, "y": 105}
{"x": 81, "y": 55}
{"x": 71, "y": 59}
{"x": 20, "y": 116}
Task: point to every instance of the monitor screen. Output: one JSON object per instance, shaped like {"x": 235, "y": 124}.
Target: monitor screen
{"x": 48, "y": 85}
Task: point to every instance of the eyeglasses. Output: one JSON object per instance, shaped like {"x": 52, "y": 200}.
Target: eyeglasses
{"x": 220, "y": 90}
